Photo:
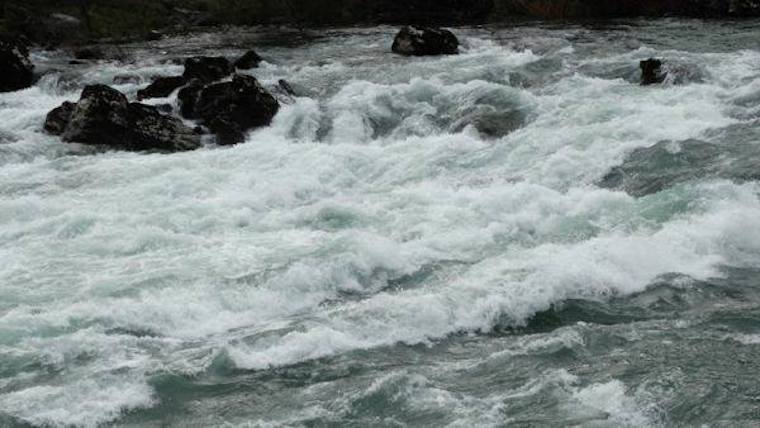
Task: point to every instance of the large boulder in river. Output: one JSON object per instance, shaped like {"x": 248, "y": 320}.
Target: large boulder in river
{"x": 16, "y": 71}
{"x": 423, "y": 41}
{"x": 652, "y": 72}
{"x": 229, "y": 109}
{"x": 207, "y": 69}
{"x": 103, "y": 116}
{"x": 248, "y": 61}
{"x": 161, "y": 87}
{"x": 58, "y": 118}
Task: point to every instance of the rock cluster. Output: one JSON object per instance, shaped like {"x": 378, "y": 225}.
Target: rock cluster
{"x": 104, "y": 116}
{"x": 228, "y": 108}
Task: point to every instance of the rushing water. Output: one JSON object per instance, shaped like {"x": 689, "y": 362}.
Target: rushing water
{"x": 519, "y": 235}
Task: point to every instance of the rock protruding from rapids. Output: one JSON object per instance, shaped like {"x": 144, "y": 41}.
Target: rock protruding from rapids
{"x": 229, "y": 109}
{"x": 16, "y": 71}
{"x": 207, "y": 69}
{"x": 652, "y": 72}
{"x": 58, "y": 118}
{"x": 161, "y": 87}
{"x": 188, "y": 98}
{"x": 248, "y": 61}
{"x": 425, "y": 41}
{"x": 103, "y": 116}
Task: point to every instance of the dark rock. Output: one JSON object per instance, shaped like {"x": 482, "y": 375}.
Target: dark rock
{"x": 165, "y": 108}
{"x": 249, "y": 60}
{"x": 151, "y": 130}
{"x": 207, "y": 69}
{"x": 188, "y": 98}
{"x": 154, "y": 35}
{"x": 16, "y": 71}
{"x": 744, "y": 8}
{"x": 100, "y": 117}
{"x": 286, "y": 88}
{"x": 229, "y": 109}
{"x": 161, "y": 87}
{"x": 89, "y": 53}
{"x": 651, "y": 72}
{"x": 75, "y": 62}
{"x": 103, "y": 116}
{"x": 422, "y": 41}
{"x": 58, "y": 118}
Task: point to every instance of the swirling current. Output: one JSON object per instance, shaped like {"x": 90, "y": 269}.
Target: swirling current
{"x": 518, "y": 235}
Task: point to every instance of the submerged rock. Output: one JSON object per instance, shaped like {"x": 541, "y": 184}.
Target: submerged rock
{"x": 16, "y": 71}
{"x": 207, "y": 69}
{"x": 286, "y": 87}
{"x": 58, "y": 118}
{"x": 248, "y": 61}
{"x": 729, "y": 153}
{"x": 423, "y": 41}
{"x": 124, "y": 79}
{"x": 161, "y": 87}
{"x": 103, "y": 116}
{"x": 652, "y": 72}
{"x": 229, "y": 109}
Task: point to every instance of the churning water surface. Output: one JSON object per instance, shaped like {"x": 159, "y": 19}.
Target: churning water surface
{"x": 519, "y": 235}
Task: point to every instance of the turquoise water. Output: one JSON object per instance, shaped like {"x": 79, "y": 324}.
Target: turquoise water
{"x": 519, "y": 235}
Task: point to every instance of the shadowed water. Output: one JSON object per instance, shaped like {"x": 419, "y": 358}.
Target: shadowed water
{"x": 519, "y": 235}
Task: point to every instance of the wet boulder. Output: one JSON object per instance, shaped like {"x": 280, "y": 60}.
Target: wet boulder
{"x": 103, "y": 116}
{"x": 58, "y": 118}
{"x": 16, "y": 71}
{"x": 188, "y": 98}
{"x": 229, "y": 109}
{"x": 207, "y": 69}
{"x": 652, "y": 72}
{"x": 162, "y": 87}
{"x": 151, "y": 130}
{"x": 424, "y": 41}
{"x": 248, "y": 61}
{"x": 100, "y": 117}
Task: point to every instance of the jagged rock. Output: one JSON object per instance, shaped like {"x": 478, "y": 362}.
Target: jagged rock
{"x": 103, "y": 116}
{"x": 229, "y": 109}
{"x": 100, "y": 117}
{"x": 188, "y": 98}
{"x": 423, "y": 41}
{"x": 162, "y": 87}
{"x": 207, "y": 69}
{"x": 249, "y": 60}
{"x": 652, "y": 72}
{"x": 16, "y": 71}
{"x": 151, "y": 130}
{"x": 58, "y": 118}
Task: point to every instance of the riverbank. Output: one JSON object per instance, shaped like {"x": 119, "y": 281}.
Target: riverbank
{"x": 52, "y": 23}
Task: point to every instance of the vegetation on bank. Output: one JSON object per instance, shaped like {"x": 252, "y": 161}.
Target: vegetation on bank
{"x": 50, "y": 21}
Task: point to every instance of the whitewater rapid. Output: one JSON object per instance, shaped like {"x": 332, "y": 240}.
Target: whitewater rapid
{"x": 373, "y": 213}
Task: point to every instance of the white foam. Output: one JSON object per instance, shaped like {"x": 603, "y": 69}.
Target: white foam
{"x": 84, "y": 403}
